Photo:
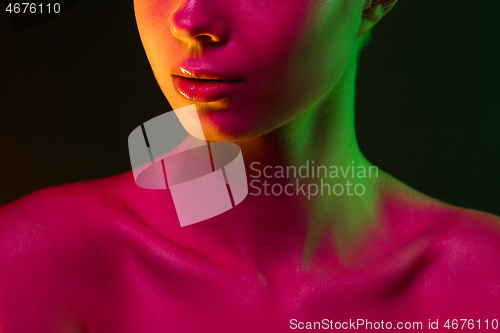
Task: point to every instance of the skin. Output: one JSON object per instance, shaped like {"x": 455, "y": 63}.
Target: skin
{"x": 298, "y": 83}
{"x": 108, "y": 256}
{"x": 246, "y": 40}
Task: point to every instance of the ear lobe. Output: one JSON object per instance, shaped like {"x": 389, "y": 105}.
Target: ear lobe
{"x": 373, "y": 11}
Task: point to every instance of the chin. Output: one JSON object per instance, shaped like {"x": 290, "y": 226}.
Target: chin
{"x": 233, "y": 125}
{"x": 223, "y": 123}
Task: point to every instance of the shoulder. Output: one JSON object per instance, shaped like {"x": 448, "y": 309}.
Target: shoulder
{"x": 57, "y": 225}
{"x": 59, "y": 207}
{"x": 60, "y": 245}
{"x": 75, "y": 218}
{"x": 411, "y": 214}
{"x": 464, "y": 261}
{"x": 462, "y": 252}
{"x": 49, "y": 245}
{"x": 72, "y": 208}
{"x": 71, "y": 221}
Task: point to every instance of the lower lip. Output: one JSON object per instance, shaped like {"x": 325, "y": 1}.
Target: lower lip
{"x": 203, "y": 90}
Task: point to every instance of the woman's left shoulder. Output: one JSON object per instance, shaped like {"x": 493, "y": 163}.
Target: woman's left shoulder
{"x": 413, "y": 215}
{"x": 462, "y": 275}
{"x": 460, "y": 257}
{"x": 470, "y": 241}
{"x": 462, "y": 245}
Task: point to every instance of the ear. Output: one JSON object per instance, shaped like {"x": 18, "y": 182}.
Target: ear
{"x": 373, "y": 11}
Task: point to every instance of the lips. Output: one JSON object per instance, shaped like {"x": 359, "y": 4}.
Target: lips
{"x": 203, "y": 85}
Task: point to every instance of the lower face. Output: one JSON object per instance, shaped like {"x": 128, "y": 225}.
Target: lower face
{"x": 276, "y": 58}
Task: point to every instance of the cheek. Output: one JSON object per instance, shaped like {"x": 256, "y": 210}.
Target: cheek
{"x": 270, "y": 33}
{"x": 303, "y": 50}
{"x": 163, "y": 50}
{"x": 269, "y": 38}
{"x": 289, "y": 51}
{"x": 326, "y": 48}
{"x": 153, "y": 23}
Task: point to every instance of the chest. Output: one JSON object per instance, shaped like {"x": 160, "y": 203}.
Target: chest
{"x": 158, "y": 295}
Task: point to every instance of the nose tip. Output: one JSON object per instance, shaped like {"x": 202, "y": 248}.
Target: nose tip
{"x": 196, "y": 23}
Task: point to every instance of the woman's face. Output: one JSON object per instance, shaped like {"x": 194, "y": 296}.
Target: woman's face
{"x": 250, "y": 66}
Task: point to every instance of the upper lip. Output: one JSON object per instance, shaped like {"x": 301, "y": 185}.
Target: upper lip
{"x": 201, "y": 74}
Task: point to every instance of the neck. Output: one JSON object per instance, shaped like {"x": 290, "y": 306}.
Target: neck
{"x": 323, "y": 138}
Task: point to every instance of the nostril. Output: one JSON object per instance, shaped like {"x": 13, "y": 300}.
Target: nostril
{"x": 205, "y": 39}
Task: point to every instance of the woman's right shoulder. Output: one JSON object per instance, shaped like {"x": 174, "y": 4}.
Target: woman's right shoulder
{"x": 52, "y": 215}
{"x": 91, "y": 208}
{"x": 56, "y": 243}
{"x": 51, "y": 206}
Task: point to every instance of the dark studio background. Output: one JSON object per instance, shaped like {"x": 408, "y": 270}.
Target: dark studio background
{"x": 72, "y": 89}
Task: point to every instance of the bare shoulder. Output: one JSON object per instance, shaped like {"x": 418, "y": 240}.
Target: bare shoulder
{"x": 60, "y": 245}
{"x": 58, "y": 225}
{"x": 58, "y": 207}
{"x": 75, "y": 220}
{"x": 465, "y": 274}
{"x": 462, "y": 251}
{"x": 73, "y": 207}
{"x": 62, "y": 248}
{"x": 414, "y": 214}
{"x": 48, "y": 248}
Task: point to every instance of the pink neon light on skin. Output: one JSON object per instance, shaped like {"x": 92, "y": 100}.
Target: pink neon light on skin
{"x": 108, "y": 256}
{"x": 254, "y": 45}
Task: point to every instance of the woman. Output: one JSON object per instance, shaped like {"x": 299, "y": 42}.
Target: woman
{"x": 277, "y": 77}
